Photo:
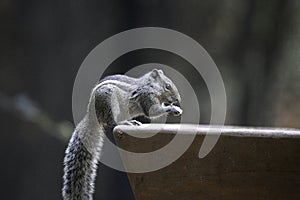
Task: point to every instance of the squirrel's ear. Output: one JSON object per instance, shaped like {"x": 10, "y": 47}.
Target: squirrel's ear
{"x": 160, "y": 71}
{"x": 155, "y": 73}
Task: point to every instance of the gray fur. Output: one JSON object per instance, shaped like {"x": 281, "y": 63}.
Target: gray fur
{"x": 114, "y": 100}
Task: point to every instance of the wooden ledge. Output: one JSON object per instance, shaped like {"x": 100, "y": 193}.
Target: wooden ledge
{"x": 236, "y": 131}
{"x": 246, "y": 163}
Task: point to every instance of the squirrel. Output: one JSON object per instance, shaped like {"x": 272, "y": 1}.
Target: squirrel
{"x": 115, "y": 100}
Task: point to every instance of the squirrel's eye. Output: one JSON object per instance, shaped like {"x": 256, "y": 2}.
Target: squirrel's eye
{"x": 168, "y": 86}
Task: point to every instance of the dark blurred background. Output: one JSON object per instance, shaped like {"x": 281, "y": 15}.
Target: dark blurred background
{"x": 255, "y": 44}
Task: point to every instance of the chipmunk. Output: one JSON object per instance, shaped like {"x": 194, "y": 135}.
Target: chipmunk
{"x": 114, "y": 100}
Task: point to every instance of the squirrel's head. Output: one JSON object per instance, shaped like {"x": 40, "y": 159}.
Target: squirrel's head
{"x": 167, "y": 92}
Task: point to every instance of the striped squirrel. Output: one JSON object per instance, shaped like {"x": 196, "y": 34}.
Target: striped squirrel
{"x": 114, "y": 100}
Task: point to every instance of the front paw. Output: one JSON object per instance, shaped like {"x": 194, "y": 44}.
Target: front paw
{"x": 130, "y": 123}
{"x": 174, "y": 110}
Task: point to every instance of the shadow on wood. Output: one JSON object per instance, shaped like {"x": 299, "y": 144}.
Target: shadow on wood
{"x": 246, "y": 163}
